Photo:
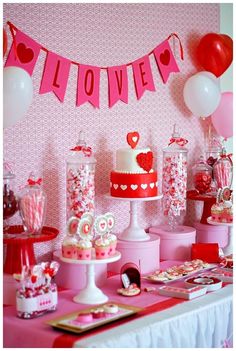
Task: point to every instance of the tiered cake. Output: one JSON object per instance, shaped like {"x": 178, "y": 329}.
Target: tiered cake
{"x": 133, "y": 176}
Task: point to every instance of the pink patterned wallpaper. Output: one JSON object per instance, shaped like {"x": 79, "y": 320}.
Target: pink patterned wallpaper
{"x": 104, "y": 35}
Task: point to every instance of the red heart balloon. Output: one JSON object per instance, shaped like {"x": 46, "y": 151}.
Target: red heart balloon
{"x": 215, "y": 53}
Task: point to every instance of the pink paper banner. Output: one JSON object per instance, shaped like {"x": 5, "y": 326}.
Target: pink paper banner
{"x": 117, "y": 84}
{"x": 88, "y": 85}
{"x": 55, "y": 75}
{"x": 165, "y": 60}
{"x": 24, "y": 53}
{"x": 142, "y": 76}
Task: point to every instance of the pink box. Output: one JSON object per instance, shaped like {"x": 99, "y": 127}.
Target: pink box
{"x": 73, "y": 276}
{"x": 175, "y": 245}
{"x": 207, "y": 233}
{"x": 145, "y": 254}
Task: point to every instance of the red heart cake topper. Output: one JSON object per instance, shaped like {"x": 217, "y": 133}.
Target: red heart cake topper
{"x": 132, "y": 139}
{"x": 25, "y": 55}
{"x": 165, "y": 57}
{"x": 145, "y": 160}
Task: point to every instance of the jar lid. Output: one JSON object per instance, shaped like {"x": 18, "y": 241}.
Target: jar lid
{"x": 81, "y": 152}
{"x": 7, "y": 171}
{"x": 202, "y": 163}
{"x": 176, "y": 143}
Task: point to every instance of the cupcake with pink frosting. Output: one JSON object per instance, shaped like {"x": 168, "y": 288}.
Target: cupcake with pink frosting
{"x": 84, "y": 250}
{"x": 102, "y": 248}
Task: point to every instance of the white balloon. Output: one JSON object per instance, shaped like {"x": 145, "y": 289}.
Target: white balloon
{"x": 17, "y": 94}
{"x": 202, "y": 94}
{"x": 210, "y": 75}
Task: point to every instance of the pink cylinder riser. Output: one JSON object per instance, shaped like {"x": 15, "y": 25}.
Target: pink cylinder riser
{"x": 145, "y": 254}
{"x": 175, "y": 245}
{"x": 207, "y": 233}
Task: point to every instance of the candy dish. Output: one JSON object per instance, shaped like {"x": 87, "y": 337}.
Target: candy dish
{"x": 182, "y": 293}
{"x": 210, "y": 282}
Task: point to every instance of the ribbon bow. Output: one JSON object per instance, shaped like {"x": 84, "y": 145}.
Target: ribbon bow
{"x": 179, "y": 141}
{"x": 87, "y": 151}
{"x": 32, "y": 182}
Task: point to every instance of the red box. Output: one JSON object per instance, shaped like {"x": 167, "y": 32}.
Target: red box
{"x": 208, "y": 252}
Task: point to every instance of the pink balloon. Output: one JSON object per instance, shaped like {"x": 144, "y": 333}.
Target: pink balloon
{"x": 222, "y": 117}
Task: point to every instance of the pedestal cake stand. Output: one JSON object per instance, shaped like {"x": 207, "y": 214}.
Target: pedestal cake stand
{"x": 134, "y": 232}
{"x": 91, "y": 294}
{"x": 228, "y": 250}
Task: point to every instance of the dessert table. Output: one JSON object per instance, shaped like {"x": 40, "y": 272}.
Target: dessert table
{"x": 206, "y": 321}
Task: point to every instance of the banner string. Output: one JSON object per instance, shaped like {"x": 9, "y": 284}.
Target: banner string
{"x": 14, "y": 28}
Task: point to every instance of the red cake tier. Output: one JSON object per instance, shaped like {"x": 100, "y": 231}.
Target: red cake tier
{"x": 133, "y": 185}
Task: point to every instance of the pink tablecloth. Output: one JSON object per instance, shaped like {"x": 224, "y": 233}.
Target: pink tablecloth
{"x": 36, "y": 333}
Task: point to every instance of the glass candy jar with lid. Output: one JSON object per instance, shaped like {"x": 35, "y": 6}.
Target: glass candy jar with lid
{"x": 174, "y": 177}
{"x": 80, "y": 183}
{"x": 10, "y": 202}
{"x": 202, "y": 176}
{"x": 223, "y": 170}
{"x": 32, "y": 205}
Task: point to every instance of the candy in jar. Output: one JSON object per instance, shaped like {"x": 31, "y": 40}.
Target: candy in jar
{"x": 223, "y": 170}
{"x": 80, "y": 180}
{"x": 33, "y": 205}
{"x": 174, "y": 176}
{"x": 202, "y": 176}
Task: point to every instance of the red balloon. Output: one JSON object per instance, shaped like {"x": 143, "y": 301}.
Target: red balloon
{"x": 4, "y": 42}
{"x": 215, "y": 53}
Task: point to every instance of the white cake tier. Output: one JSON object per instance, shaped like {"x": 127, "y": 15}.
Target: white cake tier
{"x": 126, "y": 161}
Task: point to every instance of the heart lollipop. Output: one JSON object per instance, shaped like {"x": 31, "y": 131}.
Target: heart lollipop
{"x": 85, "y": 226}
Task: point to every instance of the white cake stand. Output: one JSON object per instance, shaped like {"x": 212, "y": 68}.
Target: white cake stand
{"x": 91, "y": 294}
{"x": 134, "y": 232}
{"x": 228, "y": 250}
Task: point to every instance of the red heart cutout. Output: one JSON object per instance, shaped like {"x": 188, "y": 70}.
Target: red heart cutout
{"x": 24, "y": 54}
{"x": 145, "y": 160}
{"x": 103, "y": 253}
{"x": 165, "y": 57}
{"x": 132, "y": 139}
{"x": 87, "y": 255}
{"x": 80, "y": 255}
{"x": 102, "y": 225}
{"x": 215, "y": 53}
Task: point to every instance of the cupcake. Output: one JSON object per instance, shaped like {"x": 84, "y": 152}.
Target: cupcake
{"x": 69, "y": 247}
{"x": 102, "y": 248}
{"x": 113, "y": 242}
{"x": 216, "y": 210}
{"x": 84, "y": 250}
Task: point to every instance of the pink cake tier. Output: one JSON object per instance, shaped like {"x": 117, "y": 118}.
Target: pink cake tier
{"x": 133, "y": 185}
{"x": 221, "y": 213}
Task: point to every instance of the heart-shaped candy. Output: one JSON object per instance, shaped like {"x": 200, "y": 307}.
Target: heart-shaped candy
{"x": 145, "y": 160}
{"x": 132, "y": 139}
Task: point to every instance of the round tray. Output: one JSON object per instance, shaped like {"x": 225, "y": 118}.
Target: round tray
{"x": 210, "y": 221}
{"x": 16, "y": 235}
{"x": 211, "y": 283}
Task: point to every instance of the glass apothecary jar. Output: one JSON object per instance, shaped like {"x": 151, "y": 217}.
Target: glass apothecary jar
{"x": 10, "y": 201}
{"x": 32, "y": 205}
{"x": 80, "y": 182}
{"x": 223, "y": 170}
{"x": 202, "y": 176}
{"x": 174, "y": 177}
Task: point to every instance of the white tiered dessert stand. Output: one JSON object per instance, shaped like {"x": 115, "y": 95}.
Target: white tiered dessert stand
{"x": 228, "y": 250}
{"x": 134, "y": 232}
{"x": 91, "y": 294}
